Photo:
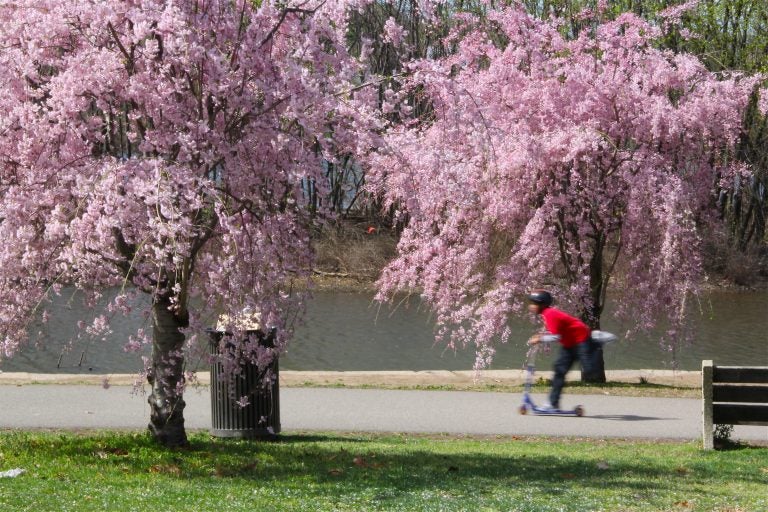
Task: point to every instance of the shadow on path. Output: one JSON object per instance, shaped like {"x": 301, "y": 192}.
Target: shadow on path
{"x": 626, "y": 417}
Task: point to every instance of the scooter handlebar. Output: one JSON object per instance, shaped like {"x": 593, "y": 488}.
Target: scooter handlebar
{"x": 530, "y": 356}
{"x": 550, "y": 338}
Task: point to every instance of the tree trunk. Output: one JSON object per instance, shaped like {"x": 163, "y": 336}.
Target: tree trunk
{"x": 166, "y": 376}
{"x": 591, "y": 315}
{"x": 597, "y": 375}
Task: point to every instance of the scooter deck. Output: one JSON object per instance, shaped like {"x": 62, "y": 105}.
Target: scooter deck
{"x": 578, "y": 411}
{"x": 528, "y": 406}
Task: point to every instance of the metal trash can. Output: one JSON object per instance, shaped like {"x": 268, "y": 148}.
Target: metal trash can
{"x": 261, "y": 417}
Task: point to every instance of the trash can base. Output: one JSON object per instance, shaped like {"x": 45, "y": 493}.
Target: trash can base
{"x": 248, "y": 433}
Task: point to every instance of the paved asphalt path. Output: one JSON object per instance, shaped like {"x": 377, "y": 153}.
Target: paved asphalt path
{"x": 372, "y": 410}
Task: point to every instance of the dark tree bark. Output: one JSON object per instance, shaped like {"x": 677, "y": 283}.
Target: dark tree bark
{"x": 166, "y": 376}
{"x": 591, "y": 316}
{"x": 597, "y": 375}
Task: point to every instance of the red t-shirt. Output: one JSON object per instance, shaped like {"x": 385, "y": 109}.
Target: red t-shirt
{"x": 572, "y": 331}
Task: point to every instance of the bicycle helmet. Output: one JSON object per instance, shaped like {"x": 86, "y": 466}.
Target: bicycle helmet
{"x": 541, "y": 297}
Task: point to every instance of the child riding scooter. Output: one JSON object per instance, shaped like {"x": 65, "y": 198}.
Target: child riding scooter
{"x": 576, "y": 342}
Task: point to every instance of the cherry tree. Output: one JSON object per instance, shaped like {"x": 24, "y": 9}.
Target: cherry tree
{"x": 160, "y": 147}
{"x": 569, "y": 164}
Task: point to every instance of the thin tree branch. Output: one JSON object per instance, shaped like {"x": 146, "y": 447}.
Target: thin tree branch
{"x": 285, "y": 13}
{"x": 128, "y": 56}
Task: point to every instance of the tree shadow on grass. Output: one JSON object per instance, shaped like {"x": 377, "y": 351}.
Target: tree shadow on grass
{"x": 394, "y": 462}
{"x": 320, "y": 472}
{"x": 740, "y": 445}
{"x": 394, "y": 471}
{"x": 312, "y": 437}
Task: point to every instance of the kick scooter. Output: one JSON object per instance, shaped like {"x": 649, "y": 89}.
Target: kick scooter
{"x": 528, "y": 405}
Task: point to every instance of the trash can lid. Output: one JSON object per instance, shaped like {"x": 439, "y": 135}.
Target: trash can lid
{"x": 246, "y": 320}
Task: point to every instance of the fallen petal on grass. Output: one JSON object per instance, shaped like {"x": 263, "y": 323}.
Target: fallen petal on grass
{"x": 12, "y": 473}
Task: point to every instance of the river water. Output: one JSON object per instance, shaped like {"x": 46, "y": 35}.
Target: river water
{"x": 349, "y": 331}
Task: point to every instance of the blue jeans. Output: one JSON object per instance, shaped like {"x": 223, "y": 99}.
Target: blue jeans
{"x": 584, "y": 352}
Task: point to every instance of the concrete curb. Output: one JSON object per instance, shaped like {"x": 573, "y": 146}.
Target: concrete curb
{"x": 459, "y": 379}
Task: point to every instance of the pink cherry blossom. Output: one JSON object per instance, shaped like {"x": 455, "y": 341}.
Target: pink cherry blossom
{"x": 570, "y": 164}
{"x": 393, "y": 33}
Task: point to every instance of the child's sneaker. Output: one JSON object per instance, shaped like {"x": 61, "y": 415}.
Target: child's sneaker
{"x": 547, "y": 407}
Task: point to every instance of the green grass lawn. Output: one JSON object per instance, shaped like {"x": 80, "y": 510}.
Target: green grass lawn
{"x": 328, "y": 472}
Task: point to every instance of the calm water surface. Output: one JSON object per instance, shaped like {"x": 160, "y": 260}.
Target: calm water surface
{"x": 348, "y": 331}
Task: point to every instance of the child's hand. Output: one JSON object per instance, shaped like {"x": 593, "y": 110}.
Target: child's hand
{"x": 534, "y": 340}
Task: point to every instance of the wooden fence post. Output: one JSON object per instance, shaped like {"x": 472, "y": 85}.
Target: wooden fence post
{"x": 706, "y": 395}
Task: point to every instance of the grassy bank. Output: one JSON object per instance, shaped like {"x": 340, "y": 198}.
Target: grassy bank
{"x": 540, "y": 386}
{"x": 125, "y": 471}
{"x": 640, "y": 383}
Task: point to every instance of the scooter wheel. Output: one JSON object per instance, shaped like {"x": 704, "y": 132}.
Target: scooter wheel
{"x": 579, "y": 411}
{"x": 523, "y": 410}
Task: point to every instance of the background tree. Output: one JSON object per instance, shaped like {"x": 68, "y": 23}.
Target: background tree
{"x": 557, "y": 161}
{"x": 160, "y": 147}
{"x": 386, "y": 35}
{"x": 727, "y": 35}
{"x": 734, "y": 35}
